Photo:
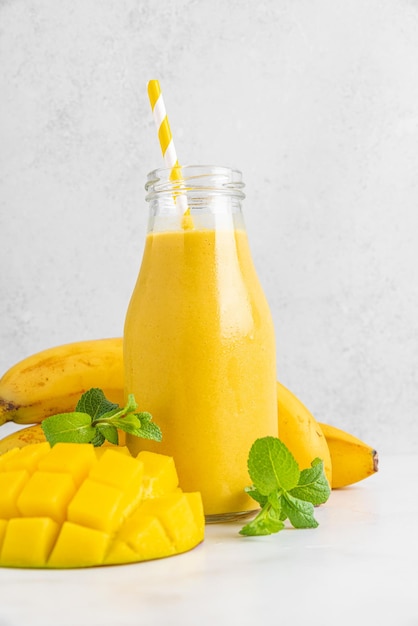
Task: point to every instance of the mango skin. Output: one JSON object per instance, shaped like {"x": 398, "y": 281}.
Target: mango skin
{"x": 75, "y": 506}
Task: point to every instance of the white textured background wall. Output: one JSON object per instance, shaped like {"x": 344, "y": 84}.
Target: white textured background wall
{"x": 316, "y": 101}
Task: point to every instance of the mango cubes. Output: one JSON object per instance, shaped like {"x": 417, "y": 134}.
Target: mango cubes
{"x": 74, "y": 505}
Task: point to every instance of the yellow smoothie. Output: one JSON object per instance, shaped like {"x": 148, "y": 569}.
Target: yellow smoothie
{"x": 199, "y": 353}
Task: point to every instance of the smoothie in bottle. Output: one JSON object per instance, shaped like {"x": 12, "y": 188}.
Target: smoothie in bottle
{"x": 199, "y": 346}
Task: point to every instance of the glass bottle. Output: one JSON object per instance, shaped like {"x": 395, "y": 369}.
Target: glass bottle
{"x": 199, "y": 346}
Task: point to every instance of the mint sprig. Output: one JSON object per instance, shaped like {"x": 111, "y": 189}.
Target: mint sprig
{"x": 281, "y": 489}
{"x": 96, "y": 420}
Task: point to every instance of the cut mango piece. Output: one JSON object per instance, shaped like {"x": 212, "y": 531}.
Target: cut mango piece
{"x": 11, "y": 484}
{"x": 96, "y": 505}
{"x": 117, "y": 470}
{"x": 76, "y": 460}
{"x": 3, "y": 526}
{"x": 4, "y": 458}
{"x": 46, "y": 494}
{"x": 110, "y": 446}
{"x": 78, "y": 546}
{"x": 177, "y": 515}
{"x": 160, "y": 474}
{"x": 146, "y": 535}
{"x": 122, "y": 472}
{"x": 194, "y": 500}
{"x": 28, "y": 541}
{"x": 28, "y": 458}
{"x": 77, "y": 506}
{"x": 120, "y": 552}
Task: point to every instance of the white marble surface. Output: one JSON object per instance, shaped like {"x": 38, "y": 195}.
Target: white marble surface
{"x": 358, "y": 567}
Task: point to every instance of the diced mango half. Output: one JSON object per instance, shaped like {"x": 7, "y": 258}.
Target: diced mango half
{"x": 77, "y": 506}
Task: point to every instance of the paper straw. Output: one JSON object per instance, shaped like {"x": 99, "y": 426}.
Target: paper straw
{"x": 165, "y": 137}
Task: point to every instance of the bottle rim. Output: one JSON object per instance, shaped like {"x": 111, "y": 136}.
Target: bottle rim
{"x": 210, "y": 179}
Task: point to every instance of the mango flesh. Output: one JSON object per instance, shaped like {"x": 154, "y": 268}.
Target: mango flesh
{"x": 74, "y": 505}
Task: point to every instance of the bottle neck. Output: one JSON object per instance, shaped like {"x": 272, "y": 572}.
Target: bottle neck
{"x": 195, "y": 197}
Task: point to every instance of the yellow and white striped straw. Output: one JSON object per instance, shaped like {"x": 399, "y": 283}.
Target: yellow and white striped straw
{"x": 165, "y": 137}
{"x": 161, "y": 122}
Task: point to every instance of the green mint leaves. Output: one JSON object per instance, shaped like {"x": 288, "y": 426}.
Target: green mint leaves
{"x": 282, "y": 489}
{"x": 96, "y": 420}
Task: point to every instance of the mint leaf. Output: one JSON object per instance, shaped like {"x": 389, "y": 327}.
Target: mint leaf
{"x": 256, "y": 495}
{"x": 140, "y": 425}
{"x": 311, "y": 474}
{"x": 98, "y": 439}
{"x": 96, "y": 420}
{"x": 313, "y": 485}
{"x": 275, "y": 501}
{"x": 148, "y": 430}
{"x": 95, "y": 403}
{"x": 271, "y": 465}
{"x": 108, "y": 432}
{"x": 267, "y": 522}
{"x": 131, "y": 405}
{"x": 299, "y": 512}
{"x": 68, "y": 427}
{"x": 130, "y": 424}
{"x": 281, "y": 489}
{"x": 116, "y": 411}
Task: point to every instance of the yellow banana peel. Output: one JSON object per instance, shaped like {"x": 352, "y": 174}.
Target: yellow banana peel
{"x": 23, "y": 437}
{"x": 300, "y": 432}
{"x": 352, "y": 459}
{"x": 52, "y": 381}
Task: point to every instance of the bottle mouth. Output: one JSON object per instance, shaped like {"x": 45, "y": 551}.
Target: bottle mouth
{"x": 210, "y": 180}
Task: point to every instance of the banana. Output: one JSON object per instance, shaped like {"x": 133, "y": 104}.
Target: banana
{"x": 300, "y": 432}
{"x": 352, "y": 459}
{"x": 53, "y": 380}
{"x": 22, "y": 438}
